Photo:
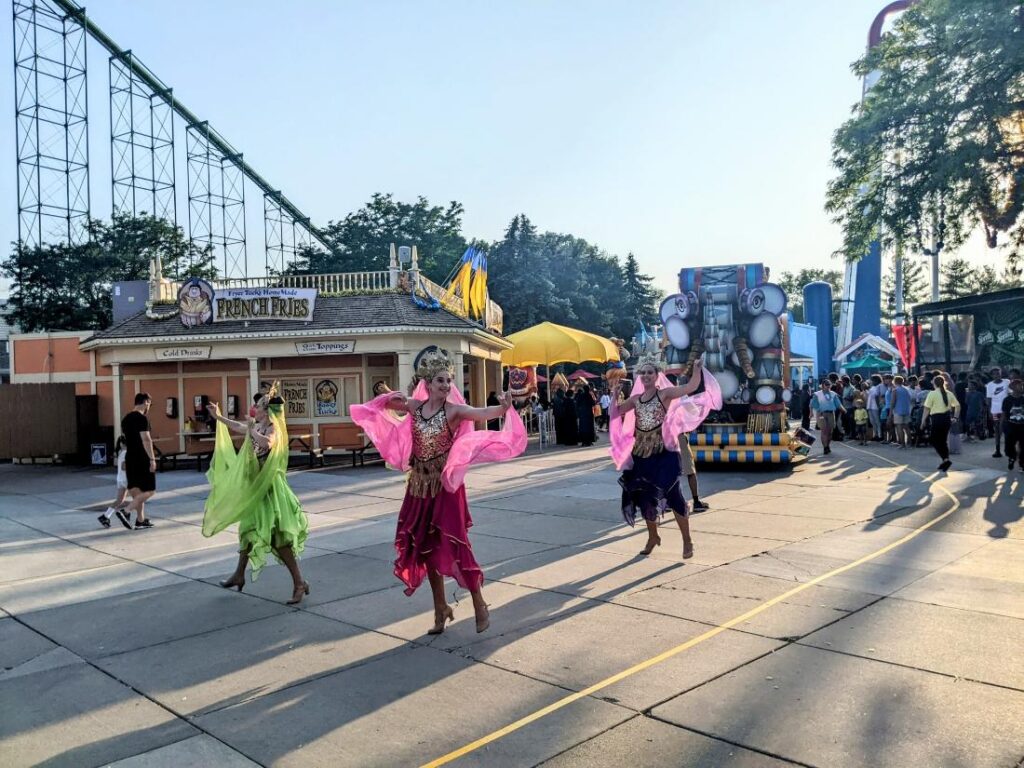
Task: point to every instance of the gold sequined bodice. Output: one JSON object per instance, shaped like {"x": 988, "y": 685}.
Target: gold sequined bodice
{"x": 431, "y": 440}
{"x": 647, "y": 439}
{"x": 430, "y": 437}
{"x": 649, "y": 415}
{"x": 267, "y": 431}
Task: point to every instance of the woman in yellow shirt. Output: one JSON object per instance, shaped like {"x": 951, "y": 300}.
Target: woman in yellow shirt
{"x": 941, "y": 404}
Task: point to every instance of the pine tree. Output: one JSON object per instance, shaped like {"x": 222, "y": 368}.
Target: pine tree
{"x": 915, "y": 287}
{"x": 520, "y": 278}
{"x": 986, "y": 280}
{"x": 641, "y": 295}
{"x": 956, "y": 278}
{"x": 1013, "y": 270}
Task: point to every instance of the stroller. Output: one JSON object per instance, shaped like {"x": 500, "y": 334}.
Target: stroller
{"x": 918, "y": 436}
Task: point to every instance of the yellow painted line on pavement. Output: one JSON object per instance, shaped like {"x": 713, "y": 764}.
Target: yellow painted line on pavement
{"x": 664, "y": 656}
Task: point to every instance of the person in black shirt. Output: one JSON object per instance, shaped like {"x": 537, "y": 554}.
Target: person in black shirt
{"x": 1013, "y": 423}
{"x": 140, "y": 463}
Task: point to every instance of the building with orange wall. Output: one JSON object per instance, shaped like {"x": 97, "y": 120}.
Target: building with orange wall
{"x": 326, "y": 360}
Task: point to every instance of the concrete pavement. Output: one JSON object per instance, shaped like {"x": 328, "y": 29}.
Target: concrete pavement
{"x": 117, "y": 647}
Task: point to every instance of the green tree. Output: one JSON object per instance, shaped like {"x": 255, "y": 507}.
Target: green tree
{"x": 564, "y": 279}
{"x": 957, "y": 278}
{"x": 131, "y": 242}
{"x": 986, "y": 280}
{"x": 936, "y": 148}
{"x": 641, "y": 296}
{"x": 793, "y": 285}
{"x": 67, "y": 287}
{"x": 362, "y": 240}
{"x": 520, "y": 278}
{"x": 915, "y": 287}
{"x": 1013, "y": 269}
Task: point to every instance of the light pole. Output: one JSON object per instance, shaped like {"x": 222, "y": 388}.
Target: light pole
{"x": 862, "y": 279}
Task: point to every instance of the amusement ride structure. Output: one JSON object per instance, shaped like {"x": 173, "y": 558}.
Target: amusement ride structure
{"x": 51, "y": 42}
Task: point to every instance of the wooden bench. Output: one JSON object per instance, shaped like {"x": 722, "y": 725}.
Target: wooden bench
{"x": 344, "y": 437}
{"x": 304, "y": 444}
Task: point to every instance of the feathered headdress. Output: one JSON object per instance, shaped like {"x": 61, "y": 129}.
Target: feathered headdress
{"x": 433, "y": 363}
{"x": 272, "y": 396}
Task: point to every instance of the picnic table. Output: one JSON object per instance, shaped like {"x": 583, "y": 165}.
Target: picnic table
{"x": 304, "y": 443}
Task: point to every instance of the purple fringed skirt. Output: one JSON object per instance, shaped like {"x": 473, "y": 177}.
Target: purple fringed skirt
{"x": 651, "y": 487}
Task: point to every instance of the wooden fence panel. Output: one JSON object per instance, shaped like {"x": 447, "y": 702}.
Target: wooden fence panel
{"x": 37, "y": 420}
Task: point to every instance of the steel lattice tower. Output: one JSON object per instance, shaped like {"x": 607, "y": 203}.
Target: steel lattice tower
{"x": 284, "y": 237}
{"x": 216, "y": 200}
{"x": 141, "y": 143}
{"x": 51, "y": 124}
{"x": 51, "y": 116}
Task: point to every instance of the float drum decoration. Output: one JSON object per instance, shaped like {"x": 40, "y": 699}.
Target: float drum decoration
{"x": 734, "y": 318}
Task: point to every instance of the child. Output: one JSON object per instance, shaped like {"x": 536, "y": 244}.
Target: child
{"x": 860, "y": 419}
{"x": 121, "y": 451}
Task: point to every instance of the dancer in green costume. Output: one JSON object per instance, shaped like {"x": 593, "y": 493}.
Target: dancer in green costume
{"x": 249, "y": 487}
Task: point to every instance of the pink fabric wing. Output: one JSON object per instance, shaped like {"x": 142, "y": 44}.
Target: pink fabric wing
{"x": 687, "y": 413}
{"x": 390, "y": 432}
{"x": 479, "y": 446}
{"x": 621, "y": 433}
{"x": 392, "y": 435}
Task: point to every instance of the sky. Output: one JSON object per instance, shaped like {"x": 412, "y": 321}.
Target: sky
{"x": 689, "y": 132}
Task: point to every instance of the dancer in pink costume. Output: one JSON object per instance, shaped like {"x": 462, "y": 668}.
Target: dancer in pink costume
{"x": 644, "y": 431}
{"x": 435, "y": 441}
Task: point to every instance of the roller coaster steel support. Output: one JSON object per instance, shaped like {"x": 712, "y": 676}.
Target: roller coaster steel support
{"x": 51, "y": 111}
{"x": 141, "y": 144}
{"x": 216, "y": 200}
{"x": 284, "y": 237}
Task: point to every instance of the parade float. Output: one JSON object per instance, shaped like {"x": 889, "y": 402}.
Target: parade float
{"x": 736, "y": 320}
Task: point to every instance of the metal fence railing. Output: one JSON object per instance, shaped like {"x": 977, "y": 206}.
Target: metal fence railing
{"x": 540, "y": 423}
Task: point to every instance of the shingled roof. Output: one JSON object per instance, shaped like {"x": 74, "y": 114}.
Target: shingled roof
{"x": 344, "y": 314}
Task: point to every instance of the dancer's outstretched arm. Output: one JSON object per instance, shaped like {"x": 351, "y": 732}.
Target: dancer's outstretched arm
{"x": 402, "y": 404}
{"x": 617, "y": 409}
{"x": 468, "y": 413}
{"x": 671, "y": 393}
{"x": 234, "y": 426}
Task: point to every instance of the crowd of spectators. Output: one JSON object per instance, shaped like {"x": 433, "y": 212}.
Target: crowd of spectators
{"x": 901, "y": 411}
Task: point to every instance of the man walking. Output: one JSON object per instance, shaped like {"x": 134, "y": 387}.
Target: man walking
{"x": 902, "y": 403}
{"x": 995, "y": 392}
{"x": 140, "y": 463}
{"x": 689, "y": 470}
{"x": 606, "y": 403}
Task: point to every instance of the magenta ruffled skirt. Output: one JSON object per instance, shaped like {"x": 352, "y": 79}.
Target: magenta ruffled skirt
{"x": 433, "y": 533}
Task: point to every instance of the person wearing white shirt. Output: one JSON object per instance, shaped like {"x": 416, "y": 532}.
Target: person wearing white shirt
{"x": 605, "y": 402}
{"x": 995, "y": 392}
{"x": 874, "y": 416}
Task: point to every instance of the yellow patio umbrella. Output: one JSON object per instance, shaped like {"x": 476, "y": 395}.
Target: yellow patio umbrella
{"x": 548, "y": 343}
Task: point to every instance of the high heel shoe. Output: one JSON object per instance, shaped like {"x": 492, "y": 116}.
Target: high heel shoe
{"x": 485, "y": 622}
{"x": 233, "y": 582}
{"x": 440, "y": 617}
{"x": 300, "y": 590}
{"x": 651, "y": 544}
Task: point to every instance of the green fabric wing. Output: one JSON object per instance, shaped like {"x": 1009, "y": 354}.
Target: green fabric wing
{"x": 237, "y": 481}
